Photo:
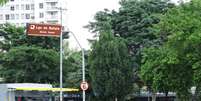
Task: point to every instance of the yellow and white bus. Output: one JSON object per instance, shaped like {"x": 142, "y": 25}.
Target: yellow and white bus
{"x": 35, "y": 92}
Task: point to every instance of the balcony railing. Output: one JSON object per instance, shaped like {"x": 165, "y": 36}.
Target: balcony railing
{"x": 52, "y": 17}
{"x": 51, "y": 0}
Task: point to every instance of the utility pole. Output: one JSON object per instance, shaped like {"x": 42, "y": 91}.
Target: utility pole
{"x": 61, "y": 58}
{"x": 61, "y": 54}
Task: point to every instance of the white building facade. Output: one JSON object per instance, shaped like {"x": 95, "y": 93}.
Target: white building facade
{"x": 21, "y": 12}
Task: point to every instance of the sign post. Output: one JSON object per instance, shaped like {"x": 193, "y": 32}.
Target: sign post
{"x": 84, "y": 86}
{"x": 61, "y": 66}
{"x": 51, "y": 30}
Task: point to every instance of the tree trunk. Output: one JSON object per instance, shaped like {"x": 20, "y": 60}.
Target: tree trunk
{"x": 153, "y": 96}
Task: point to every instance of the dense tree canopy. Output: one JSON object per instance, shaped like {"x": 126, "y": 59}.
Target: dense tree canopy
{"x": 15, "y": 36}
{"x": 31, "y": 59}
{"x": 30, "y": 64}
{"x": 176, "y": 64}
{"x": 133, "y": 22}
{"x": 110, "y": 68}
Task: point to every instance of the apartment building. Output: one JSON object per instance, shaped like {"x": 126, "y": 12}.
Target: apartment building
{"x": 20, "y": 12}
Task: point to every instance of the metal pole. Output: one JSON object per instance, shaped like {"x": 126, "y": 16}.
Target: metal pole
{"x": 61, "y": 53}
{"x": 83, "y": 73}
{"x": 83, "y": 63}
{"x": 61, "y": 60}
{"x": 83, "y": 59}
{"x": 193, "y": 97}
{"x": 148, "y": 96}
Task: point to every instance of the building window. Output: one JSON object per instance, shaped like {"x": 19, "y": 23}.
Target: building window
{"x": 18, "y": 24}
{"x": 22, "y": 24}
{"x": 7, "y": 16}
{"x": 17, "y": 7}
{"x": 12, "y": 16}
{"x": 27, "y": 16}
{"x": 22, "y": 7}
{"x": 27, "y": 7}
{"x": 41, "y": 15}
{"x": 17, "y": 16}
{"x": 32, "y": 6}
{"x": 53, "y": 3}
{"x": 1, "y": 17}
{"x": 32, "y": 17}
{"x": 52, "y": 22}
{"x": 12, "y": 8}
{"x": 22, "y": 16}
{"x": 52, "y": 13}
{"x": 41, "y": 5}
{"x": 42, "y": 22}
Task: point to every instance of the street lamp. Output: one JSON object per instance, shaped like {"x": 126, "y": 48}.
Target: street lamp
{"x": 83, "y": 62}
{"x": 193, "y": 89}
{"x": 61, "y": 56}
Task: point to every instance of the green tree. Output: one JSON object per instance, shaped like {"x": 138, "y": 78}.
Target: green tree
{"x": 16, "y": 45}
{"x": 43, "y": 65}
{"x": 110, "y": 68}
{"x": 163, "y": 70}
{"x": 133, "y": 22}
{"x": 74, "y": 73}
{"x": 177, "y": 62}
{"x": 74, "y": 70}
{"x": 30, "y": 64}
{"x": 3, "y": 2}
{"x": 15, "y": 36}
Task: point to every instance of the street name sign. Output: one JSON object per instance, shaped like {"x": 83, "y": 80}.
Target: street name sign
{"x": 34, "y": 29}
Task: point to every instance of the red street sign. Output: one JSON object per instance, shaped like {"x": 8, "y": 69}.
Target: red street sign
{"x": 43, "y": 30}
{"x": 84, "y": 85}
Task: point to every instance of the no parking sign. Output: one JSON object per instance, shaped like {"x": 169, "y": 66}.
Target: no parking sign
{"x": 84, "y": 85}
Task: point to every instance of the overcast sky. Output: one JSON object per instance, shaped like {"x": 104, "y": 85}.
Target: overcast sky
{"x": 80, "y": 12}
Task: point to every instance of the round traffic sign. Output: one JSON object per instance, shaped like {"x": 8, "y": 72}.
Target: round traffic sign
{"x": 84, "y": 85}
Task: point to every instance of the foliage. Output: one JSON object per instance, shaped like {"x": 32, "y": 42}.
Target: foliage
{"x": 3, "y": 2}
{"x": 22, "y": 55}
{"x": 30, "y": 64}
{"x": 15, "y": 36}
{"x": 74, "y": 73}
{"x": 177, "y": 62}
{"x": 163, "y": 70}
{"x": 110, "y": 68}
{"x": 133, "y": 22}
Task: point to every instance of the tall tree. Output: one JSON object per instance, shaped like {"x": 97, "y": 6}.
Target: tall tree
{"x": 178, "y": 61}
{"x": 133, "y": 22}
{"x": 110, "y": 68}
